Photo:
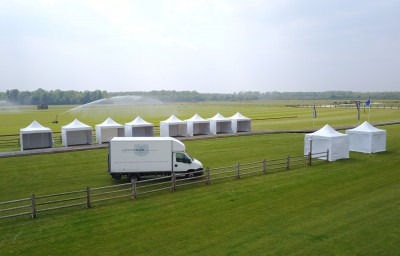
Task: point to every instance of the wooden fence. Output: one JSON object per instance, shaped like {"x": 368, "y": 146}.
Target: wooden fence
{"x": 90, "y": 196}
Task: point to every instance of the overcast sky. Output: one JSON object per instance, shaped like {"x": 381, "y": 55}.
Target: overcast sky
{"x": 203, "y": 45}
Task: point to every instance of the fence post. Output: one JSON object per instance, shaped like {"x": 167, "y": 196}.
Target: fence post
{"x": 237, "y": 171}
{"x": 288, "y": 163}
{"x": 134, "y": 189}
{"x": 208, "y": 176}
{"x": 173, "y": 180}
{"x": 264, "y": 167}
{"x": 88, "y": 204}
{"x": 34, "y": 215}
{"x": 310, "y": 153}
{"x": 327, "y": 155}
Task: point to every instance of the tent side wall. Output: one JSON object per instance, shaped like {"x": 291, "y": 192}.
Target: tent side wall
{"x": 78, "y": 137}
{"x": 64, "y": 141}
{"x": 213, "y": 127}
{"x": 319, "y": 145}
{"x": 194, "y": 128}
{"x": 378, "y": 142}
{"x": 164, "y": 129}
{"x": 224, "y": 127}
{"x": 340, "y": 148}
{"x": 243, "y": 126}
{"x": 143, "y": 131}
{"x": 360, "y": 142}
{"x": 104, "y": 134}
{"x": 190, "y": 128}
{"x": 172, "y": 130}
{"x": 36, "y": 140}
{"x": 128, "y": 130}
{"x": 177, "y": 130}
{"x": 202, "y": 128}
{"x": 182, "y": 129}
{"x": 367, "y": 142}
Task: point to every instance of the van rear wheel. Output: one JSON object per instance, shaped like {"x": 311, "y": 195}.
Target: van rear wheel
{"x": 135, "y": 176}
{"x": 116, "y": 176}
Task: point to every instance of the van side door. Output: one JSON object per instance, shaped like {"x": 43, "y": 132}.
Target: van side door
{"x": 181, "y": 162}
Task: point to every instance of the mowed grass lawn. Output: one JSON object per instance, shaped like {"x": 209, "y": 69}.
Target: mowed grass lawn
{"x": 347, "y": 207}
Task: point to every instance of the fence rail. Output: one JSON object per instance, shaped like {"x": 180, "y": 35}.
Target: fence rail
{"x": 87, "y": 197}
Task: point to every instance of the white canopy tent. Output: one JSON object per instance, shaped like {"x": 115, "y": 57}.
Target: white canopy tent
{"x": 139, "y": 128}
{"x": 220, "y": 124}
{"x": 197, "y": 125}
{"x": 36, "y": 136}
{"x": 108, "y": 129}
{"x": 325, "y": 139}
{"x": 76, "y": 133}
{"x": 240, "y": 123}
{"x": 367, "y": 139}
{"x": 172, "y": 127}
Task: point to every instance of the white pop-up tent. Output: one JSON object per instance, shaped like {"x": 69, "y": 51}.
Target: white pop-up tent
{"x": 139, "y": 128}
{"x": 325, "y": 139}
{"x": 108, "y": 129}
{"x": 36, "y": 136}
{"x": 197, "y": 125}
{"x": 172, "y": 127}
{"x": 240, "y": 123}
{"x": 220, "y": 124}
{"x": 367, "y": 139}
{"x": 76, "y": 133}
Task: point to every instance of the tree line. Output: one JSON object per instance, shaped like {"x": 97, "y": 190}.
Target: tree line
{"x": 58, "y": 97}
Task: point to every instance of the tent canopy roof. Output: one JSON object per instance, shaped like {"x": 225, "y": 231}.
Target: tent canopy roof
{"x": 219, "y": 117}
{"x": 110, "y": 123}
{"x": 239, "y": 116}
{"x": 327, "y": 131}
{"x": 174, "y": 120}
{"x": 197, "y": 119}
{"x": 35, "y": 127}
{"x": 365, "y": 127}
{"x": 76, "y": 125}
{"x": 138, "y": 121}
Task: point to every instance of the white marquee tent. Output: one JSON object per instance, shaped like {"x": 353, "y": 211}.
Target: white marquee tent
{"x": 139, "y": 128}
{"x": 367, "y": 139}
{"x": 36, "y": 136}
{"x": 76, "y": 133}
{"x": 197, "y": 125}
{"x": 108, "y": 129}
{"x": 220, "y": 124}
{"x": 240, "y": 123}
{"x": 325, "y": 139}
{"x": 172, "y": 127}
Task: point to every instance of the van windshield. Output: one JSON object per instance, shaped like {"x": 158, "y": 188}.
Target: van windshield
{"x": 191, "y": 158}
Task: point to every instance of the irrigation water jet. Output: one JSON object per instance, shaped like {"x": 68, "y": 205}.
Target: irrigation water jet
{"x": 113, "y": 103}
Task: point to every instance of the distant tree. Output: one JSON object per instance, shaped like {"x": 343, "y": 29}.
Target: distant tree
{"x": 12, "y": 95}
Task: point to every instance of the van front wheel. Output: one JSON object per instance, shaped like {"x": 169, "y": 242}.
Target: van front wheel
{"x": 190, "y": 174}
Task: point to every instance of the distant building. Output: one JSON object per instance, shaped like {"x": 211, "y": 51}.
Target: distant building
{"x": 42, "y": 106}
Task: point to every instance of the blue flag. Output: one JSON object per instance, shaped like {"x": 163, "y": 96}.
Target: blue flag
{"x": 368, "y": 103}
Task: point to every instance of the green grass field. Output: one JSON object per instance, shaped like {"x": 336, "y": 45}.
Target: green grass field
{"x": 347, "y": 207}
{"x": 271, "y": 115}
